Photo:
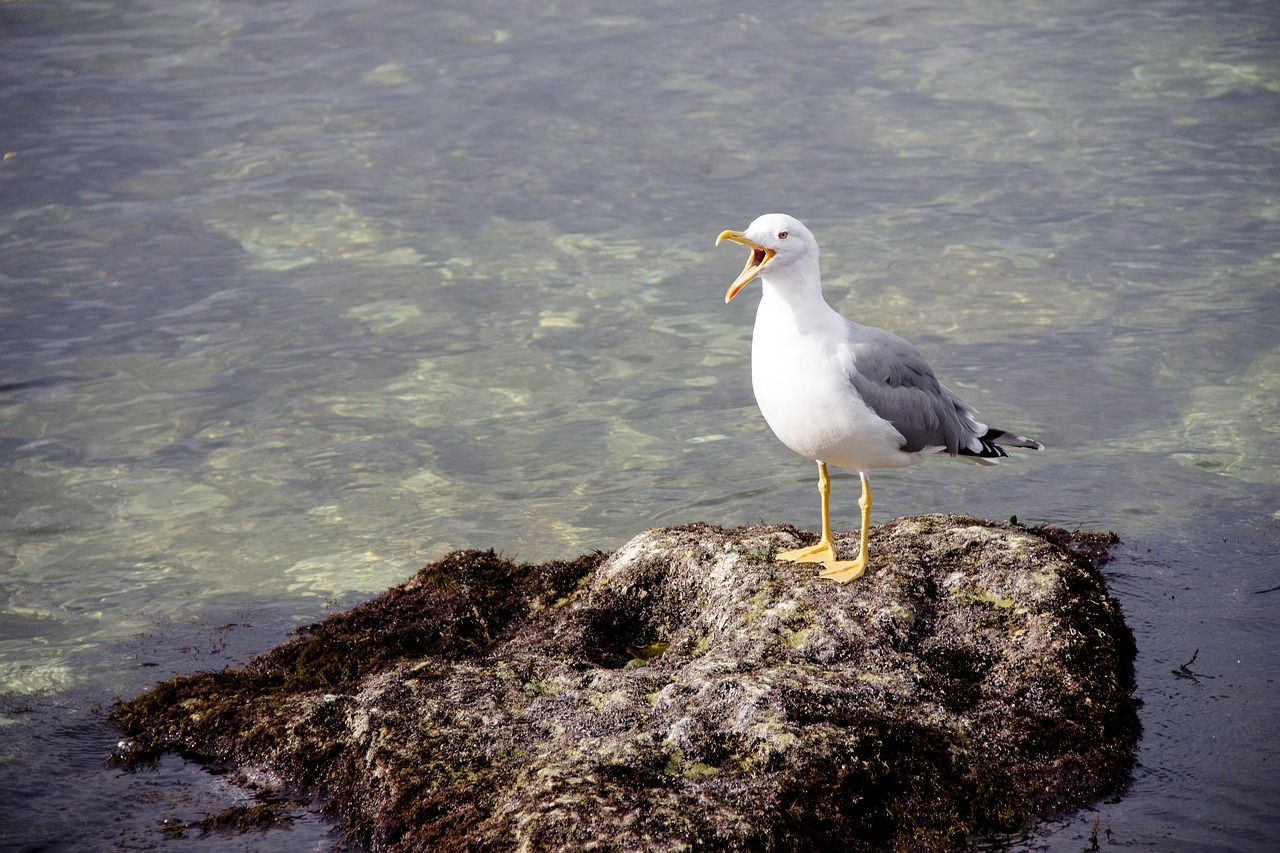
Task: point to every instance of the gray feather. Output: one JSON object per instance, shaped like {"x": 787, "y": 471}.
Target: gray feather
{"x": 893, "y": 378}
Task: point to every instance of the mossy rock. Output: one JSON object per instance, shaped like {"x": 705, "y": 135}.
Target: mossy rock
{"x": 689, "y": 693}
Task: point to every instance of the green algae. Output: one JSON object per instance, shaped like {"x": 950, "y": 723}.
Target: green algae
{"x": 235, "y": 820}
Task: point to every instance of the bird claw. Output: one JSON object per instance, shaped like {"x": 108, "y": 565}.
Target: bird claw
{"x": 840, "y": 571}
{"x": 843, "y": 571}
{"x": 820, "y": 553}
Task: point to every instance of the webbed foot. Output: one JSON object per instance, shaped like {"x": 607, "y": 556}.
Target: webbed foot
{"x": 843, "y": 571}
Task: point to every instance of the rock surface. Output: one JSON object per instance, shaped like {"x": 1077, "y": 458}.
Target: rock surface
{"x": 687, "y": 692}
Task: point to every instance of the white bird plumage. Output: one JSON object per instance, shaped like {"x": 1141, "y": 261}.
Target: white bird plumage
{"x": 841, "y": 393}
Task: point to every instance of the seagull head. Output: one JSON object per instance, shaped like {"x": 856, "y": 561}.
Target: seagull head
{"x": 777, "y": 241}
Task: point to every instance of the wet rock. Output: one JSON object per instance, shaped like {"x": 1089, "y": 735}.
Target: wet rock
{"x": 687, "y": 692}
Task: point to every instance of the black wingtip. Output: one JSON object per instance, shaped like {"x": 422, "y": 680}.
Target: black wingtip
{"x": 991, "y": 445}
{"x": 989, "y": 450}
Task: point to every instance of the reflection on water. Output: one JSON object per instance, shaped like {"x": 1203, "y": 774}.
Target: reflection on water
{"x": 298, "y": 298}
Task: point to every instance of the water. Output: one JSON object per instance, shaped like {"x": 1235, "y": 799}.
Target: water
{"x": 300, "y": 296}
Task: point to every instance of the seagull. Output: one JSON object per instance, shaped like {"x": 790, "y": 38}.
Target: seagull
{"x": 842, "y": 393}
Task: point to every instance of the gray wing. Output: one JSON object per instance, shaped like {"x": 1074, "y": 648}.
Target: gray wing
{"x": 893, "y": 378}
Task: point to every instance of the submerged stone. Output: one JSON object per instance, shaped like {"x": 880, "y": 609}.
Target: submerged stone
{"x": 687, "y": 692}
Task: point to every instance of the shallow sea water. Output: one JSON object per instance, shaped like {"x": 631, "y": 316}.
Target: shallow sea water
{"x": 297, "y": 297}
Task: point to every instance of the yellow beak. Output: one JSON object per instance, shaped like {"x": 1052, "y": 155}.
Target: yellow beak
{"x": 755, "y": 264}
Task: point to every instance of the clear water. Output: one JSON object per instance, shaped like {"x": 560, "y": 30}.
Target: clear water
{"x": 296, "y": 297}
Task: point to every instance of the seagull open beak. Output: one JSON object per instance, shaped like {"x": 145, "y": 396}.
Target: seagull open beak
{"x": 755, "y": 264}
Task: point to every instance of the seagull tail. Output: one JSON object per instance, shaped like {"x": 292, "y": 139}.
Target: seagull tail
{"x": 987, "y": 449}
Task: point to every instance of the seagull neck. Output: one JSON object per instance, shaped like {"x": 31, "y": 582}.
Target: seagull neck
{"x": 800, "y": 288}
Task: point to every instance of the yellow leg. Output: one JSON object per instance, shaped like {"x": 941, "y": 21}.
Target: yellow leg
{"x": 824, "y": 552}
{"x": 843, "y": 572}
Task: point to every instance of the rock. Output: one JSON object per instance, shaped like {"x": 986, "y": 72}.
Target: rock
{"x": 688, "y": 693}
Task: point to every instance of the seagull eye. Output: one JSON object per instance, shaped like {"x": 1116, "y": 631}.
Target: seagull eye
{"x": 782, "y": 235}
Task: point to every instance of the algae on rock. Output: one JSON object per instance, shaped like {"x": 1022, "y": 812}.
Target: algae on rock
{"x": 687, "y": 692}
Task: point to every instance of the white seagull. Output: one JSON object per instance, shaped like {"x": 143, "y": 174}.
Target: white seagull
{"x": 842, "y": 393}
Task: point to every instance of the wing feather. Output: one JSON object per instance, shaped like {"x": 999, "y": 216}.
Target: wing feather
{"x": 894, "y": 379}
